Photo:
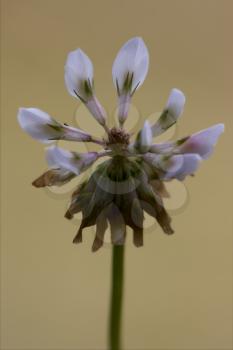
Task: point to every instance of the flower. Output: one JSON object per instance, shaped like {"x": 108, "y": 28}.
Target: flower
{"x": 172, "y": 111}
{"x": 79, "y": 80}
{"x": 70, "y": 161}
{"x": 129, "y": 71}
{"x": 143, "y": 140}
{"x": 202, "y": 142}
{"x": 45, "y": 129}
{"x": 174, "y": 167}
{"x": 131, "y": 181}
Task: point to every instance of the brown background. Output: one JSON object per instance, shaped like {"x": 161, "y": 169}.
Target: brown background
{"x": 178, "y": 289}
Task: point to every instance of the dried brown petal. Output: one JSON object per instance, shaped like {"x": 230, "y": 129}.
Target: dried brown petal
{"x": 77, "y": 204}
{"x": 101, "y": 227}
{"x": 153, "y": 204}
{"x": 79, "y": 237}
{"x": 119, "y": 191}
{"x": 159, "y": 187}
{"x": 117, "y": 225}
{"x": 138, "y": 237}
{"x": 132, "y": 212}
{"x": 53, "y": 177}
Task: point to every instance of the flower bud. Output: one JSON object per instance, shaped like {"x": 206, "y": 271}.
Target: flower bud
{"x": 144, "y": 138}
{"x": 130, "y": 66}
{"x": 129, "y": 72}
{"x": 45, "y": 129}
{"x": 175, "y": 103}
{"x": 175, "y": 166}
{"x": 79, "y": 74}
{"x": 72, "y": 161}
{"x": 202, "y": 142}
{"x": 79, "y": 82}
{"x": 173, "y": 110}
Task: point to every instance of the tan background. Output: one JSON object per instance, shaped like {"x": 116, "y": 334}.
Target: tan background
{"x": 178, "y": 289}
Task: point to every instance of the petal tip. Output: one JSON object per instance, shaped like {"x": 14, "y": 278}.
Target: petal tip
{"x": 175, "y": 103}
{"x": 221, "y": 127}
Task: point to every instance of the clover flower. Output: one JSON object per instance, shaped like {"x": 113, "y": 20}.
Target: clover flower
{"x": 132, "y": 179}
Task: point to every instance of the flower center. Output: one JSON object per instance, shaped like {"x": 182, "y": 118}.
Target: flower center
{"x": 118, "y": 140}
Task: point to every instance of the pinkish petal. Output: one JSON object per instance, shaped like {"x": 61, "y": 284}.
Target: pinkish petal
{"x": 202, "y": 142}
{"x": 71, "y": 161}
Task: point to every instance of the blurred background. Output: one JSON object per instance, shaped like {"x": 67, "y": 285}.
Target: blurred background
{"x": 178, "y": 290}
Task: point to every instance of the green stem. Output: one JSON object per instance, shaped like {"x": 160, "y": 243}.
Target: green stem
{"x": 116, "y": 297}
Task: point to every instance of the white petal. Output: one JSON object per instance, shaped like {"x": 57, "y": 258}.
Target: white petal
{"x": 70, "y": 133}
{"x": 202, "y": 142}
{"x": 162, "y": 148}
{"x": 144, "y": 140}
{"x": 38, "y": 124}
{"x": 175, "y": 103}
{"x": 123, "y": 107}
{"x": 74, "y": 162}
{"x": 78, "y": 68}
{"x": 44, "y": 128}
{"x": 173, "y": 110}
{"x": 55, "y": 157}
{"x": 133, "y": 57}
{"x": 97, "y": 110}
{"x": 174, "y": 167}
{"x": 179, "y": 166}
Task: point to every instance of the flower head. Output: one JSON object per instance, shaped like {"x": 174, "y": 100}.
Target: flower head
{"x": 131, "y": 181}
